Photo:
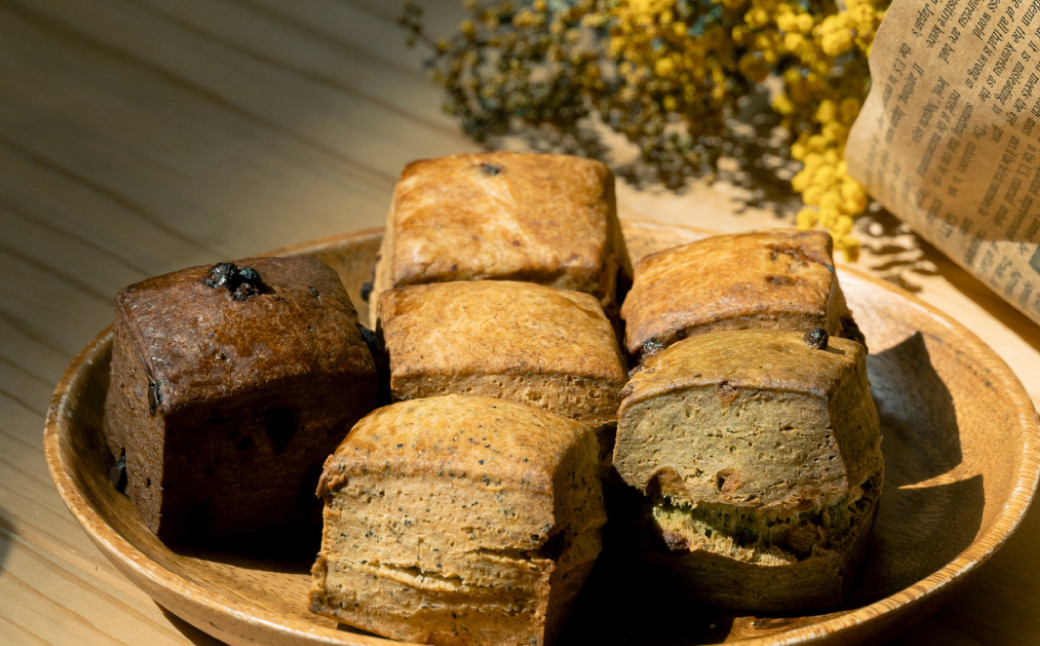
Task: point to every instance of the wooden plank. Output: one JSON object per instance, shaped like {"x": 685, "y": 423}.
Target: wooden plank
{"x": 283, "y": 156}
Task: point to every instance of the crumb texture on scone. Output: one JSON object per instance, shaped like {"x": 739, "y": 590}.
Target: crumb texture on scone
{"x": 458, "y": 519}
{"x": 226, "y": 401}
{"x": 775, "y": 278}
{"x": 537, "y": 217}
{"x": 544, "y": 346}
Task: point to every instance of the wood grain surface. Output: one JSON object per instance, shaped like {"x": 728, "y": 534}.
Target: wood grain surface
{"x": 139, "y": 137}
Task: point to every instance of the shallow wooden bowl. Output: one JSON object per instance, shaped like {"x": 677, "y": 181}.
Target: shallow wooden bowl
{"x": 960, "y": 443}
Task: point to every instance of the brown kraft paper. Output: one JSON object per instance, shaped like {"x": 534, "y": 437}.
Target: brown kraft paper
{"x": 949, "y": 137}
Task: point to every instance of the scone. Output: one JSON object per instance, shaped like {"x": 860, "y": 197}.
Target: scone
{"x": 543, "y": 218}
{"x": 544, "y": 346}
{"x": 777, "y": 278}
{"x": 230, "y": 385}
{"x": 759, "y": 455}
{"x": 458, "y": 520}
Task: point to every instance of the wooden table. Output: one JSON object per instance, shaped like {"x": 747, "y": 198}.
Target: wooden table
{"x": 138, "y": 137}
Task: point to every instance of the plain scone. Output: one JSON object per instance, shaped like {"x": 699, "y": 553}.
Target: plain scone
{"x": 227, "y": 394}
{"x": 458, "y": 520}
{"x": 773, "y": 278}
{"x": 536, "y": 217}
{"x": 760, "y": 461}
{"x": 543, "y": 346}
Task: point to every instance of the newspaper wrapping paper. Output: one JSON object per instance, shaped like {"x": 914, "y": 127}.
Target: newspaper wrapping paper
{"x": 948, "y": 139}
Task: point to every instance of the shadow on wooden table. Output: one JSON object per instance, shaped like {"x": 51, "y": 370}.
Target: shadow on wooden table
{"x": 927, "y": 515}
{"x": 892, "y": 252}
{"x": 7, "y": 528}
{"x": 191, "y": 632}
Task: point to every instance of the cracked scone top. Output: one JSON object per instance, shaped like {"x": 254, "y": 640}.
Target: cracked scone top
{"x": 774, "y": 278}
{"x": 462, "y": 519}
{"x": 537, "y": 217}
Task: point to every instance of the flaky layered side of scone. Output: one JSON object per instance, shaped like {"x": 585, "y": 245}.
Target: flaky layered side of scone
{"x": 760, "y": 460}
{"x": 458, "y": 520}
{"x": 543, "y": 218}
{"x": 230, "y": 385}
{"x": 776, "y": 278}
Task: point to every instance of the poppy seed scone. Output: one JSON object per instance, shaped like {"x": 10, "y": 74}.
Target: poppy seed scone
{"x": 458, "y": 520}
{"x": 230, "y": 385}
{"x": 537, "y": 217}
{"x": 543, "y": 346}
{"x": 775, "y": 278}
{"x": 758, "y": 452}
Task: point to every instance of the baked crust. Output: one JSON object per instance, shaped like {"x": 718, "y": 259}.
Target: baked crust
{"x": 543, "y": 218}
{"x": 466, "y": 519}
{"x": 544, "y": 346}
{"x": 225, "y": 406}
{"x": 775, "y": 278}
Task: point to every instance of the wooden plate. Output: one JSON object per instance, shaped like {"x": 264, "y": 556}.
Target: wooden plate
{"x": 960, "y": 443}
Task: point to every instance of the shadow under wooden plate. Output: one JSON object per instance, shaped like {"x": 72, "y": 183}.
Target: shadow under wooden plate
{"x": 961, "y": 445}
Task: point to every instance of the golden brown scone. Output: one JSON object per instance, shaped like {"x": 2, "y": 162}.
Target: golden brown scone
{"x": 228, "y": 391}
{"x": 544, "y": 346}
{"x": 778, "y": 278}
{"x": 458, "y": 520}
{"x": 543, "y": 218}
{"x": 761, "y": 464}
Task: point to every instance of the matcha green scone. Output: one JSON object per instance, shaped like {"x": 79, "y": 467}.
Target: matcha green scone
{"x": 759, "y": 456}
